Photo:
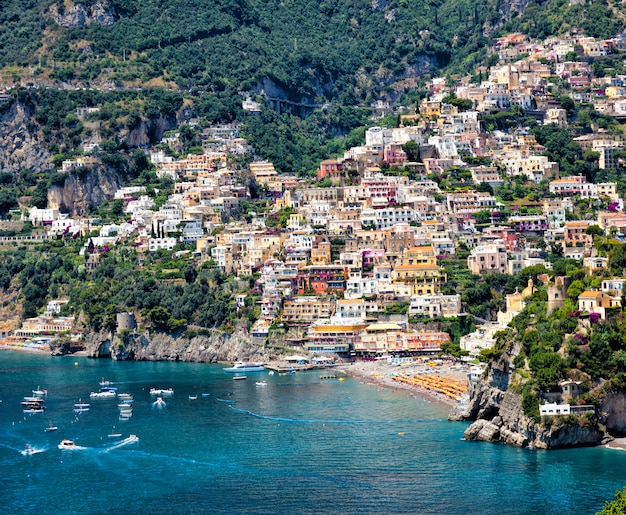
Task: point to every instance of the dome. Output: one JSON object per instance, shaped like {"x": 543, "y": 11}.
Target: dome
{"x": 529, "y": 290}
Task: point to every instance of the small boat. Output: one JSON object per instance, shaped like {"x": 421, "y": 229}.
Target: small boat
{"x": 67, "y": 444}
{"x": 104, "y": 382}
{"x": 239, "y": 378}
{"x": 161, "y": 391}
{"x": 240, "y": 366}
{"x": 206, "y": 394}
{"x": 80, "y": 406}
{"x": 260, "y": 383}
{"x": 125, "y": 397}
{"x": 39, "y": 392}
{"x": 32, "y": 399}
{"x": 33, "y": 403}
{"x": 113, "y": 434}
{"x": 50, "y": 428}
{"x": 132, "y": 438}
{"x": 106, "y": 394}
{"x": 34, "y": 409}
{"x": 193, "y": 397}
{"x": 28, "y": 450}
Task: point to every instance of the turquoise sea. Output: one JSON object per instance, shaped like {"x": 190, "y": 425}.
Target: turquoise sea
{"x": 297, "y": 445}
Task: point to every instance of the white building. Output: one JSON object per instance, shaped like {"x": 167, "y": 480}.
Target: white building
{"x": 42, "y": 216}
{"x": 155, "y": 244}
{"x": 387, "y": 217}
{"x": 552, "y": 408}
{"x": 435, "y": 305}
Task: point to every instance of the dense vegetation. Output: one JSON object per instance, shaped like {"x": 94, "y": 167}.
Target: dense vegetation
{"x": 169, "y": 293}
{"x": 351, "y": 51}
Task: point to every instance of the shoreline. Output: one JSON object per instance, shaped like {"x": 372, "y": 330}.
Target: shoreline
{"x": 25, "y": 348}
{"x": 378, "y": 373}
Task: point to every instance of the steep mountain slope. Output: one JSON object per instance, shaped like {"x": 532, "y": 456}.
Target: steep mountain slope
{"x": 313, "y": 50}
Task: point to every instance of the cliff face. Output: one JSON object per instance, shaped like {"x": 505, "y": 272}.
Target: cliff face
{"x": 220, "y": 346}
{"x": 498, "y": 414}
{"x": 80, "y": 192}
{"x": 148, "y": 132}
{"x": 70, "y": 15}
{"x": 613, "y": 412}
{"x": 18, "y": 147}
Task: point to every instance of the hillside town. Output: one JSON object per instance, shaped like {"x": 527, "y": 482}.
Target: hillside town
{"x": 354, "y": 260}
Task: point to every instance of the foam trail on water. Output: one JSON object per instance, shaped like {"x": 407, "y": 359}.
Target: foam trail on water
{"x": 127, "y": 441}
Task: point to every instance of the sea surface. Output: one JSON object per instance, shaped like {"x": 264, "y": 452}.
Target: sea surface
{"x": 298, "y": 445}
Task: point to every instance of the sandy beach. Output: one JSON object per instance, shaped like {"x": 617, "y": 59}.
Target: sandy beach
{"x": 618, "y": 443}
{"x": 382, "y": 374}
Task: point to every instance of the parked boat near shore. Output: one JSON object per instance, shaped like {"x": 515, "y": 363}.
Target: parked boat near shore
{"x": 240, "y": 366}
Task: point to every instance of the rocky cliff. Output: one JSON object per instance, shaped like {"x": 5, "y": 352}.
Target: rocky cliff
{"x": 69, "y": 14}
{"x": 149, "y": 132}
{"x": 19, "y": 147}
{"x": 498, "y": 414}
{"x": 81, "y": 191}
{"x": 219, "y": 346}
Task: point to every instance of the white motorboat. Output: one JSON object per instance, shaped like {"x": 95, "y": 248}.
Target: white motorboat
{"x": 161, "y": 392}
{"x": 67, "y": 444}
{"x": 33, "y": 409}
{"x": 106, "y": 394}
{"x": 28, "y": 450}
{"x": 239, "y": 378}
{"x": 193, "y": 397}
{"x": 260, "y": 383}
{"x": 33, "y": 399}
{"x": 50, "y": 428}
{"x": 240, "y": 366}
{"x": 80, "y": 406}
{"x": 39, "y": 392}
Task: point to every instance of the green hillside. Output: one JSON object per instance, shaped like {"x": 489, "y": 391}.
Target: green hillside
{"x": 323, "y": 50}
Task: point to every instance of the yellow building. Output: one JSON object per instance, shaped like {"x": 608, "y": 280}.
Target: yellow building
{"x": 417, "y": 268}
{"x": 321, "y": 254}
{"x": 385, "y": 338}
{"x": 331, "y": 338}
{"x": 307, "y": 309}
{"x": 263, "y": 172}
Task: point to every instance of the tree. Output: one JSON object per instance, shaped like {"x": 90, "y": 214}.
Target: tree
{"x": 159, "y": 316}
{"x": 594, "y": 230}
{"x": 412, "y": 150}
{"x": 575, "y": 289}
{"x": 617, "y": 506}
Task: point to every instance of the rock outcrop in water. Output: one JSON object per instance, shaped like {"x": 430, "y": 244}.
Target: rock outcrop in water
{"x": 498, "y": 414}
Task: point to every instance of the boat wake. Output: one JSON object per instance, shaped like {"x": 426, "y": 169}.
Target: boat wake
{"x": 229, "y": 401}
{"x": 159, "y": 404}
{"x": 74, "y": 448}
{"x": 123, "y": 443}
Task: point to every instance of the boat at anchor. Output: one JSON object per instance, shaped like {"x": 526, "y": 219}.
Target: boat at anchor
{"x": 240, "y": 366}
